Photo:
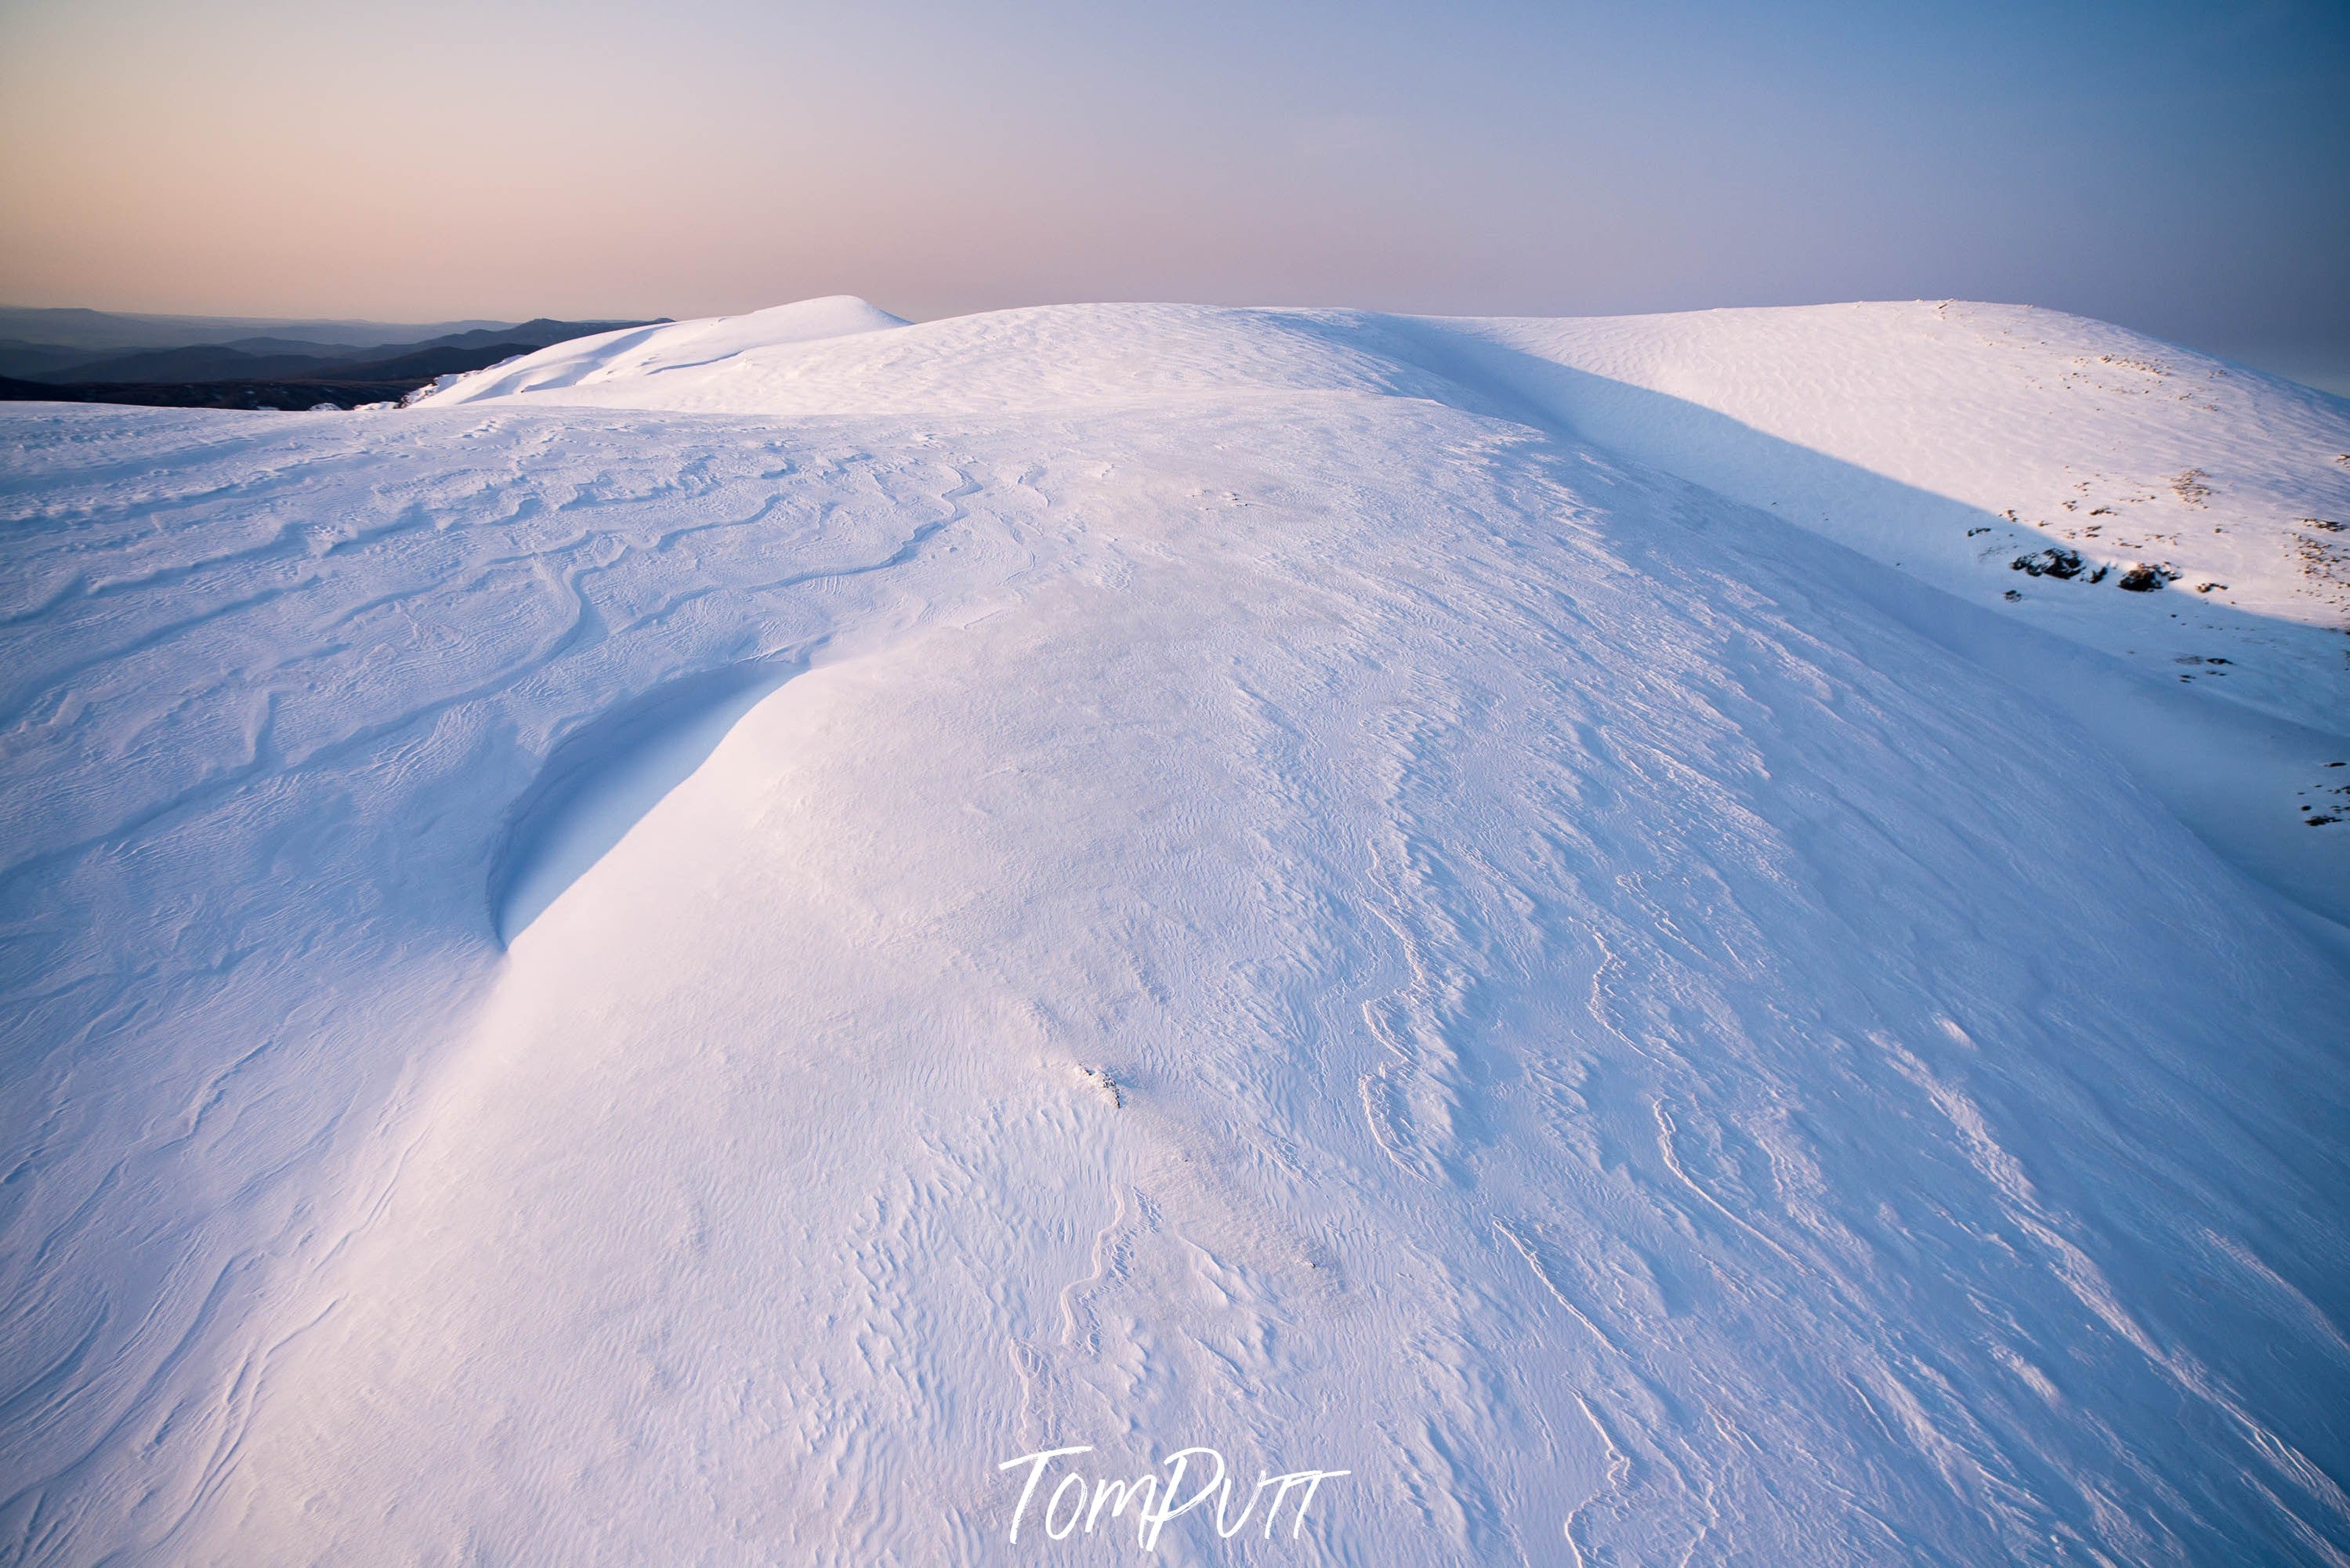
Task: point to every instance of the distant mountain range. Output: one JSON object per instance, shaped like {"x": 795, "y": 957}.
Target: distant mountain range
{"x": 88, "y": 356}
{"x": 96, "y": 332}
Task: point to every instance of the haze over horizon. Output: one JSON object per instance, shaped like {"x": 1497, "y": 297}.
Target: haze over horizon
{"x": 2176, "y": 169}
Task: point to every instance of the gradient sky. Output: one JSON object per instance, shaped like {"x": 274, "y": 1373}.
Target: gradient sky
{"x": 2182, "y": 169}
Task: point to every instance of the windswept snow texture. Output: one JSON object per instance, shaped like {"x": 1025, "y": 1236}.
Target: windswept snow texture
{"x": 675, "y": 953}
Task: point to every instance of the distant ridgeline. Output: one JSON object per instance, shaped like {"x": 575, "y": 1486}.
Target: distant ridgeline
{"x": 93, "y": 356}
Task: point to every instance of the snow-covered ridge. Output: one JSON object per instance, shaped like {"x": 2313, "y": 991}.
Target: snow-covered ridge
{"x": 1951, "y": 440}
{"x": 626, "y": 355}
{"x": 679, "y": 952}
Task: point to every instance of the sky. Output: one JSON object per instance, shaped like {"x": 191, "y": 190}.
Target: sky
{"x": 2182, "y": 169}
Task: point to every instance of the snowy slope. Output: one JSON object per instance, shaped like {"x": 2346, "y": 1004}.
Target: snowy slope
{"x": 1950, "y": 439}
{"x": 672, "y": 954}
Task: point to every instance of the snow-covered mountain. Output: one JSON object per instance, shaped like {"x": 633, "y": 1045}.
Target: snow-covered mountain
{"x": 679, "y": 951}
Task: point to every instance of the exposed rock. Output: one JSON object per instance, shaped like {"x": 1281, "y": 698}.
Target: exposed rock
{"x": 2053, "y": 562}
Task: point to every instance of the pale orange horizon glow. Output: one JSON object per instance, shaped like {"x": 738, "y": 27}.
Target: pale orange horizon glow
{"x": 434, "y": 162}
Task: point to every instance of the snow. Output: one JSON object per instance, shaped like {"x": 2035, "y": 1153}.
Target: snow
{"x": 677, "y": 953}
{"x": 1881, "y": 425}
{"x": 628, "y": 356}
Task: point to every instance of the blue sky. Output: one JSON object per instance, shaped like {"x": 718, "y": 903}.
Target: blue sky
{"x": 2182, "y": 168}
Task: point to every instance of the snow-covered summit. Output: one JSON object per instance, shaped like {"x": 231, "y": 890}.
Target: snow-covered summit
{"x": 584, "y": 365}
{"x": 1949, "y": 440}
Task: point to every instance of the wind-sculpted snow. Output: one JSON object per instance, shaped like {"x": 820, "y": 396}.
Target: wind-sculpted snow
{"x": 603, "y": 778}
{"x": 1946, "y": 440}
{"x": 1287, "y": 904}
{"x": 275, "y": 690}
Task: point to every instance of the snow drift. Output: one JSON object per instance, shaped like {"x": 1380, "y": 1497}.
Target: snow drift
{"x": 677, "y": 953}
